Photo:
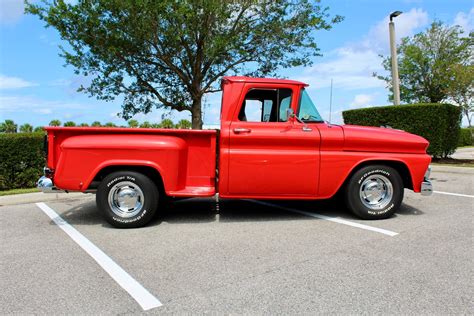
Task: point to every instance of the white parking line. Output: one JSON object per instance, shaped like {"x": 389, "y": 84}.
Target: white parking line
{"x": 455, "y": 194}
{"x": 128, "y": 283}
{"x": 328, "y": 218}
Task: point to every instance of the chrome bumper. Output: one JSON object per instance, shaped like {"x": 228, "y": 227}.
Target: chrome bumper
{"x": 45, "y": 185}
{"x": 426, "y": 186}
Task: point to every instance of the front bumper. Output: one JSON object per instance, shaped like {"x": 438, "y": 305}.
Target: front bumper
{"x": 426, "y": 186}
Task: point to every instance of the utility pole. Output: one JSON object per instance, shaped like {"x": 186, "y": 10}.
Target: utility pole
{"x": 393, "y": 53}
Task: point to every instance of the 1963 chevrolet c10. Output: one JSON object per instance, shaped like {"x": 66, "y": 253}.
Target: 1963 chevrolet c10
{"x": 272, "y": 144}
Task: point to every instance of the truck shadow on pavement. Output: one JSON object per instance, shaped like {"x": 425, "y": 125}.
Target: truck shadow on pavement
{"x": 206, "y": 210}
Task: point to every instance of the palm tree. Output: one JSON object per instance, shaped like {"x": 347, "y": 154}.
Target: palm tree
{"x": 167, "y": 123}
{"x": 8, "y": 127}
{"x": 69, "y": 124}
{"x": 184, "y": 124}
{"x": 83, "y": 125}
{"x": 133, "y": 123}
{"x": 55, "y": 123}
{"x": 145, "y": 124}
{"x": 26, "y": 128}
{"x": 38, "y": 129}
{"x": 110, "y": 124}
{"x": 96, "y": 124}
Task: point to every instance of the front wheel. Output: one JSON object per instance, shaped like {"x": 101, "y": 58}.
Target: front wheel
{"x": 374, "y": 192}
{"x": 127, "y": 199}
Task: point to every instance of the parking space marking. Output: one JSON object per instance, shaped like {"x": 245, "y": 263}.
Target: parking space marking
{"x": 455, "y": 194}
{"x": 144, "y": 298}
{"x": 329, "y": 218}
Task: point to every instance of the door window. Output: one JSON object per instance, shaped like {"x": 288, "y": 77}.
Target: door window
{"x": 266, "y": 105}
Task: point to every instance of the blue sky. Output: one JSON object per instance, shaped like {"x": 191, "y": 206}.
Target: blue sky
{"x": 35, "y": 87}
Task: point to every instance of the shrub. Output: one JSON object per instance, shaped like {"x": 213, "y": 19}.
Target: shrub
{"x": 21, "y": 160}
{"x": 466, "y": 137}
{"x": 438, "y": 123}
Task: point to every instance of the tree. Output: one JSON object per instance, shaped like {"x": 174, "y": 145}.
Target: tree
{"x": 167, "y": 123}
{"x": 170, "y": 53}
{"x": 184, "y": 124}
{"x": 26, "y": 128}
{"x": 133, "y": 123}
{"x": 461, "y": 89}
{"x": 38, "y": 129}
{"x": 145, "y": 124}
{"x": 83, "y": 125}
{"x": 155, "y": 125}
{"x": 96, "y": 124}
{"x": 426, "y": 62}
{"x": 8, "y": 126}
{"x": 110, "y": 124}
{"x": 55, "y": 123}
{"x": 69, "y": 124}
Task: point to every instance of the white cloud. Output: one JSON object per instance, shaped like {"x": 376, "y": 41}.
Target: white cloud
{"x": 44, "y": 111}
{"x": 361, "y": 100}
{"x": 12, "y": 104}
{"x": 14, "y": 83}
{"x": 406, "y": 24}
{"x": 465, "y": 21}
{"x": 352, "y": 66}
{"x": 351, "y": 69}
{"x": 11, "y": 11}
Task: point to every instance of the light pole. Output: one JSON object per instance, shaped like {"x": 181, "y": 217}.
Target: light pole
{"x": 393, "y": 53}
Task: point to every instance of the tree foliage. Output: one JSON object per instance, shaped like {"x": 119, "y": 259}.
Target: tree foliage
{"x": 8, "y": 126}
{"x": 133, "y": 123}
{"x": 170, "y": 53}
{"x": 427, "y": 62}
{"x": 184, "y": 124}
{"x": 69, "y": 124}
{"x": 26, "y": 128}
{"x": 460, "y": 89}
{"x": 55, "y": 123}
{"x": 166, "y": 123}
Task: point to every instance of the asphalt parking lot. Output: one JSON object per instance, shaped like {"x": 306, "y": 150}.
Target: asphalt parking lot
{"x": 247, "y": 257}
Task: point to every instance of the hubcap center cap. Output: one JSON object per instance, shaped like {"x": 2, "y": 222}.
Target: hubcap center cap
{"x": 127, "y": 198}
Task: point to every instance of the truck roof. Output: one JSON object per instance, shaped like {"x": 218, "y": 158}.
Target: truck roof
{"x": 262, "y": 80}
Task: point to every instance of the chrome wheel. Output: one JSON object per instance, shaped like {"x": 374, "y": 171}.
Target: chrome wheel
{"x": 376, "y": 192}
{"x": 126, "y": 199}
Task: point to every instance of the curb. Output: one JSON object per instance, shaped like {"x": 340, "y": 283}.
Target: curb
{"x": 26, "y": 198}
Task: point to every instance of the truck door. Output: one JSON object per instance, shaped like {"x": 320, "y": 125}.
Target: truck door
{"x": 270, "y": 156}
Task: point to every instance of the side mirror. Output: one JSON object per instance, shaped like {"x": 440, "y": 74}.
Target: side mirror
{"x": 290, "y": 114}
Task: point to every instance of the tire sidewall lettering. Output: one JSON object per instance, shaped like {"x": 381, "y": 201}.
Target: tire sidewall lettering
{"x": 365, "y": 175}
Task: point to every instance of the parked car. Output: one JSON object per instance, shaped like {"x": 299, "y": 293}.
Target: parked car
{"x": 272, "y": 144}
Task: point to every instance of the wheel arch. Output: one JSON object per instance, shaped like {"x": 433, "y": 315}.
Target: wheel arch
{"x": 150, "y": 171}
{"x": 400, "y": 166}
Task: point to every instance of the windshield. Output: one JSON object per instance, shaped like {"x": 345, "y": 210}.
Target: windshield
{"x": 307, "y": 111}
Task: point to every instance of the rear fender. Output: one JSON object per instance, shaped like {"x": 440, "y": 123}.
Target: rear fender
{"x": 83, "y": 157}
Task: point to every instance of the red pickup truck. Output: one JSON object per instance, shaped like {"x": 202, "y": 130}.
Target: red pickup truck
{"x": 272, "y": 144}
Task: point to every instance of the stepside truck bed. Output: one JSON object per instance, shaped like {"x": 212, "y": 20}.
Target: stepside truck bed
{"x": 186, "y": 159}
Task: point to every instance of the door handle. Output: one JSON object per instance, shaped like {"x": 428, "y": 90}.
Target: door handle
{"x": 307, "y": 129}
{"x": 240, "y": 130}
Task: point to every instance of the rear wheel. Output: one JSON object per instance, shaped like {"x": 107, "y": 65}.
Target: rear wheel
{"x": 127, "y": 199}
{"x": 374, "y": 192}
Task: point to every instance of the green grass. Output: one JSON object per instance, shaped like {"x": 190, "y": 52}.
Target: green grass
{"x": 18, "y": 191}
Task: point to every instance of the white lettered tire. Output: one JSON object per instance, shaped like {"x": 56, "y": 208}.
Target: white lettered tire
{"x": 127, "y": 199}
{"x": 374, "y": 192}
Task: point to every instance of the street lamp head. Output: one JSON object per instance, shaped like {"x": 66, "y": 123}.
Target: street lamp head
{"x": 394, "y": 14}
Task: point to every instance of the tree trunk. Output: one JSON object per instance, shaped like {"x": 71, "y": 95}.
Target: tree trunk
{"x": 196, "y": 113}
